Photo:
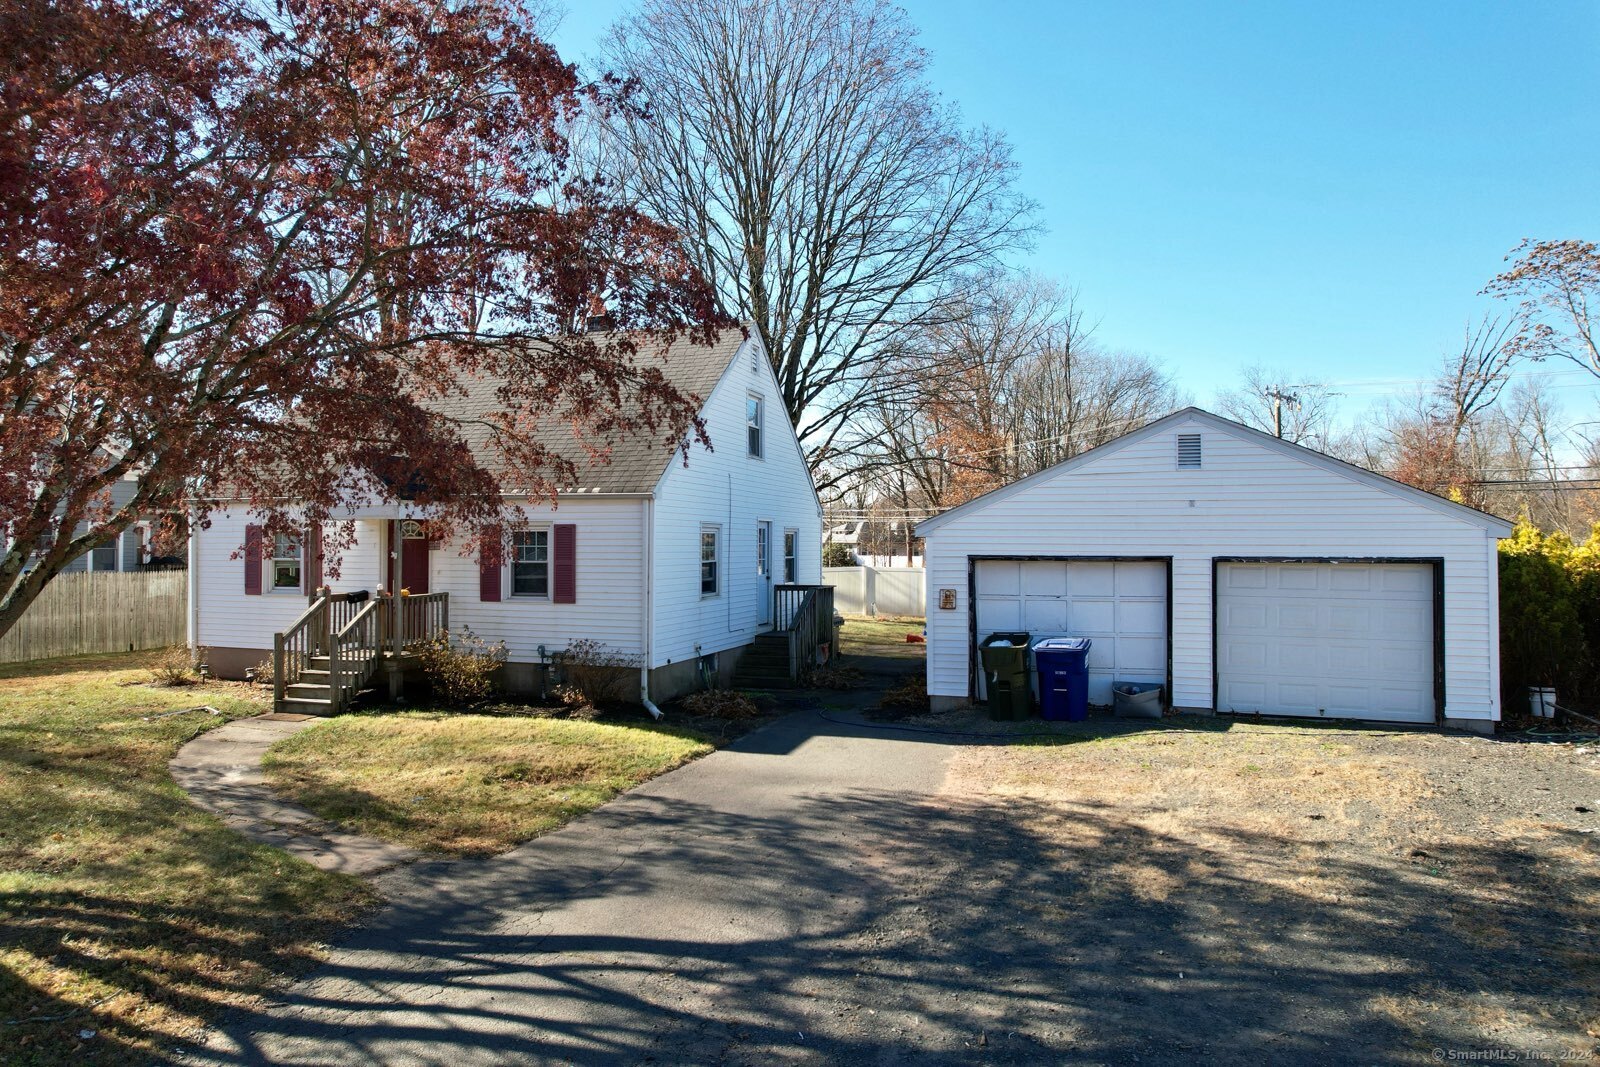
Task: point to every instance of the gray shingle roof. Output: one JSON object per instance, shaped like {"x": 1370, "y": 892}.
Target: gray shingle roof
{"x": 634, "y": 463}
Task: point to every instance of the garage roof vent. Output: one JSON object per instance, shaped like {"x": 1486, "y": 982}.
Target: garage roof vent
{"x": 1188, "y": 451}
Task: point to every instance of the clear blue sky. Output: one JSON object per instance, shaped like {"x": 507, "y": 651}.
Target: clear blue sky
{"x": 1322, "y": 188}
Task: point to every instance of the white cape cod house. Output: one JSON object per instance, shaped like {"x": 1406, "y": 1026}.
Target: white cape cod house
{"x": 676, "y": 567}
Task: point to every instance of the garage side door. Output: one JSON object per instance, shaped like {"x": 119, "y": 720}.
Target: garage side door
{"x": 1120, "y": 605}
{"x": 1327, "y": 640}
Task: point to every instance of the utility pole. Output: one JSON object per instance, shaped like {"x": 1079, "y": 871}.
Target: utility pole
{"x": 1279, "y": 397}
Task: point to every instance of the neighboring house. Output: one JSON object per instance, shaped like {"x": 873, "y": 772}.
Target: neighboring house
{"x": 846, "y": 533}
{"x": 1243, "y": 573}
{"x": 670, "y": 564}
{"x": 130, "y": 552}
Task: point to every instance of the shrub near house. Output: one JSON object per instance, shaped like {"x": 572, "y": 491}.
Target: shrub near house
{"x": 1550, "y": 615}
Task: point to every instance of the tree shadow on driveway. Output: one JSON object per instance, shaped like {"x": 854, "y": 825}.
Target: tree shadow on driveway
{"x": 884, "y": 926}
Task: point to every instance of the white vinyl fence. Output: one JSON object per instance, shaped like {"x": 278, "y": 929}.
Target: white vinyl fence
{"x": 103, "y": 611}
{"x": 877, "y": 590}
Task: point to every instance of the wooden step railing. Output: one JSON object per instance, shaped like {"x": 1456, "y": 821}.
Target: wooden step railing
{"x": 805, "y": 614}
{"x": 354, "y": 653}
{"x": 353, "y": 631}
{"x": 295, "y": 648}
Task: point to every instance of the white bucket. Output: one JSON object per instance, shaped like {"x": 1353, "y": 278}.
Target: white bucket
{"x": 1541, "y": 702}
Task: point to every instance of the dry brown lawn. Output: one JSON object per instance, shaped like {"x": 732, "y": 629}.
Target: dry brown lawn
{"x": 468, "y": 785}
{"x": 1462, "y": 870}
{"x": 128, "y": 916}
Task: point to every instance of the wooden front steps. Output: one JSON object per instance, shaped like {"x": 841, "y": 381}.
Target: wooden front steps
{"x": 765, "y": 664}
{"x": 313, "y": 693}
{"x": 340, "y": 643}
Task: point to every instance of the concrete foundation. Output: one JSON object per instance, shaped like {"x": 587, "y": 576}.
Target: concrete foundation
{"x": 519, "y": 679}
{"x": 673, "y": 680}
{"x": 231, "y": 663}
{"x": 1476, "y": 726}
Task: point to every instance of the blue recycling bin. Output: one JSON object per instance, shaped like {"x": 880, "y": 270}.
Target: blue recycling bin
{"x": 1063, "y": 664}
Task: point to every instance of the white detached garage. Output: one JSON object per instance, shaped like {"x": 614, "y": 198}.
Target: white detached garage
{"x": 1243, "y": 573}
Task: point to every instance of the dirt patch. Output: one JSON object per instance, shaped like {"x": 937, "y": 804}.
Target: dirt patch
{"x": 1451, "y": 879}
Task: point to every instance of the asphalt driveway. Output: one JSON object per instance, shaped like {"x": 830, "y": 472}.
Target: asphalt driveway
{"x": 832, "y": 889}
{"x": 723, "y": 909}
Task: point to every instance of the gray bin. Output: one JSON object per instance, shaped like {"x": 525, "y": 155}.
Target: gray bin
{"x": 1137, "y": 700}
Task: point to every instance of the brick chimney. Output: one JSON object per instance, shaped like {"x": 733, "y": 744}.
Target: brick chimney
{"x": 600, "y": 320}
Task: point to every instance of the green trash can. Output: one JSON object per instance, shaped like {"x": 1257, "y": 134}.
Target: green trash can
{"x": 1005, "y": 675}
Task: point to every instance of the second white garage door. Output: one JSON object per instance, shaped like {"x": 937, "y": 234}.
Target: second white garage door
{"x": 1329, "y": 640}
{"x": 1121, "y": 605}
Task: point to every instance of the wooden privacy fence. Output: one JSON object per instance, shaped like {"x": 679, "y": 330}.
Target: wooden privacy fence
{"x": 102, "y": 611}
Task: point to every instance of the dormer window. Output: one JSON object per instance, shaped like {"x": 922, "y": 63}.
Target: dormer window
{"x": 1188, "y": 451}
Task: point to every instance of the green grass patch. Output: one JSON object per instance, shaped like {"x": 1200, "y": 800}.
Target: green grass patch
{"x": 468, "y": 785}
{"x": 864, "y": 636}
{"x": 126, "y": 911}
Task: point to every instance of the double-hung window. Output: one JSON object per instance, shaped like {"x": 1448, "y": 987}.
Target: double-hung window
{"x": 752, "y": 422}
{"x": 285, "y": 563}
{"x": 710, "y": 572}
{"x": 103, "y": 557}
{"x": 791, "y": 553}
{"x": 530, "y": 563}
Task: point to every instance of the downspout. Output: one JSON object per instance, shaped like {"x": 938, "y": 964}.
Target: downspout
{"x": 647, "y": 612}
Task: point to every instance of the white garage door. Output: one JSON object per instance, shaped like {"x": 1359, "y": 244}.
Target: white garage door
{"x": 1333, "y": 640}
{"x": 1121, "y": 606}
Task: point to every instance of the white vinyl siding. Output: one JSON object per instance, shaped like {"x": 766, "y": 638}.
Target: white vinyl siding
{"x": 638, "y": 565}
{"x": 728, "y": 488}
{"x": 1249, "y": 499}
{"x": 610, "y": 582}
{"x": 229, "y": 618}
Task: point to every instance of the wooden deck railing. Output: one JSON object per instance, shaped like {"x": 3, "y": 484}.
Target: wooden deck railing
{"x": 417, "y": 618}
{"x": 805, "y": 613}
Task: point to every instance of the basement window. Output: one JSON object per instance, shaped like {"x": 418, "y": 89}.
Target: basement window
{"x": 1188, "y": 451}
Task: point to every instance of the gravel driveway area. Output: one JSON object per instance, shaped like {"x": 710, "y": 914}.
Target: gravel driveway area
{"x": 838, "y": 889}
{"x": 1312, "y": 893}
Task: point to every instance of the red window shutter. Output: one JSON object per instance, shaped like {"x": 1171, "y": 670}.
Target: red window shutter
{"x": 313, "y": 560}
{"x": 564, "y": 572}
{"x": 489, "y": 554}
{"x": 252, "y": 560}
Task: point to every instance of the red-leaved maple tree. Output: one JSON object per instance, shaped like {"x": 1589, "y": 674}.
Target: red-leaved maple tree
{"x": 251, "y": 251}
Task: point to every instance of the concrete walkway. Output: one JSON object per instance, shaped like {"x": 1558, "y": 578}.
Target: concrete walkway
{"x": 221, "y": 772}
{"x": 719, "y": 910}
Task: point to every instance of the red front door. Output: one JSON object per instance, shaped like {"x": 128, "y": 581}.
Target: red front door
{"x": 408, "y": 553}
{"x": 414, "y": 564}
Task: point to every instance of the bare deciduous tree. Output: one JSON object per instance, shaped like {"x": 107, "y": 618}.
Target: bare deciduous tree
{"x": 823, "y": 187}
{"x": 1557, "y": 284}
{"x": 1007, "y": 382}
